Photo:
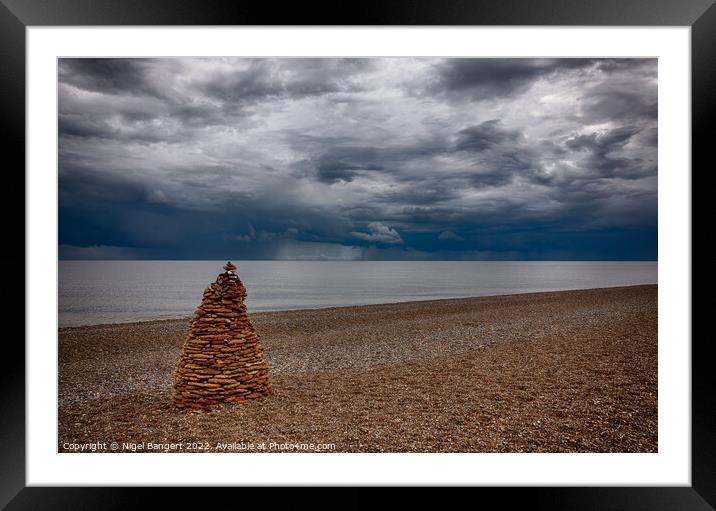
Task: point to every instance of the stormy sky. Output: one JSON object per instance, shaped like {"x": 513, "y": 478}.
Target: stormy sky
{"x": 401, "y": 158}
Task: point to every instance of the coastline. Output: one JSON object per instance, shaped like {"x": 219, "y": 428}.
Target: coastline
{"x": 187, "y": 317}
{"x": 561, "y": 371}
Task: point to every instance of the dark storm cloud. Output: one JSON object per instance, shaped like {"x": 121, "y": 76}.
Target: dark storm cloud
{"x": 152, "y": 102}
{"x": 198, "y": 116}
{"x": 330, "y": 171}
{"x": 499, "y": 155}
{"x": 619, "y": 104}
{"x": 488, "y": 78}
{"x": 629, "y": 95}
{"x": 358, "y": 158}
{"x": 603, "y": 142}
{"x": 484, "y": 136}
{"x": 482, "y": 79}
{"x": 265, "y": 78}
{"x": 379, "y": 233}
{"x": 333, "y": 159}
{"x": 649, "y": 137}
{"x": 249, "y": 85}
{"x": 332, "y": 162}
{"x": 85, "y": 126}
{"x": 108, "y": 76}
{"x": 603, "y": 149}
{"x": 424, "y": 191}
{"x": 138, "y": 129}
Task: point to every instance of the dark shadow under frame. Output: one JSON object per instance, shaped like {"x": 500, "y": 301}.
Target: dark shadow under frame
{"x": 16, "y": 15}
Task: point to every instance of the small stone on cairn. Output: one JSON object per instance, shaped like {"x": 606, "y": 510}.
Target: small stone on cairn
{"x": 222, "y": 360}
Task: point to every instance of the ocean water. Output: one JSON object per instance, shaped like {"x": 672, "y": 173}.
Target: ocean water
{"x": 95, "y": 292}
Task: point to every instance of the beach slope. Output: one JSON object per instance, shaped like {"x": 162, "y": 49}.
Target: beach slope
{"x": 570, "y": 371}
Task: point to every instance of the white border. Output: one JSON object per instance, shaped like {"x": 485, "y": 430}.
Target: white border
{"x": 671, "y": 466}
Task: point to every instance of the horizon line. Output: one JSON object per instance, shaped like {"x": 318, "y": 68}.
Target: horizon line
{"x": 382, "y": 260}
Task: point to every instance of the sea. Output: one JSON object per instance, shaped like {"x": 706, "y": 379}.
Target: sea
{"x": 96, "y": 292}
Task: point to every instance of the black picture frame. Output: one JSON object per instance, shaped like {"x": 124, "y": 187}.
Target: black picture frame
{"x": 16, "y": 15}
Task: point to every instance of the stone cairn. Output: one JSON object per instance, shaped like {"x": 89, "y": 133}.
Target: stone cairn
{"x": 222, "y": 359}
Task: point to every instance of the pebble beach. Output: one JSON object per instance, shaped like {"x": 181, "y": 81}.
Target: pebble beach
{"x": 568, "y": 371}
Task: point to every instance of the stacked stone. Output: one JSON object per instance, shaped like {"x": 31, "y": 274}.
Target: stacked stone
{"x": 222, "y": 359}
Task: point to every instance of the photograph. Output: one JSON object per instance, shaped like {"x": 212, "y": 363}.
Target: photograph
{"x": 357, "y": 255}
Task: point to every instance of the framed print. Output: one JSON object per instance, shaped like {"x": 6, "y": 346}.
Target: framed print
{"x": 417, "y": 246}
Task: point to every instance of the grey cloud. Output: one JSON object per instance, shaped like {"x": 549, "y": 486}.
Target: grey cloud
{"x": 91, "y": 126}
{"x": 604, "y": 141}
{"x": 379, "y": 233}
{"x": 617, "y": 104}
{"x": 603, "y": 153}
{"x": 481, "y": 79}
{"x": 632, "y": 66}
{"x": 82, "y": 125}
{"x": 217, "y": 97}
{"x": 484, "y": 136}
{"x": 200, "y": 116}
{"x": 108, "y": 76}
{"x": 499, "y": 155}
{"x": 247, "y": 85}
{"x": 625, "y": 91}
{"x": 257, "y": 154}
{"x": 649, "y": 137}
{"x": 266, "y": 78}
{"x": 487, "y": 154}
{"x": 335, "y": 159}
{"x": 424, "y": 190}
{"x": 330, "y": 172}
{"x": 345, "y": 163}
